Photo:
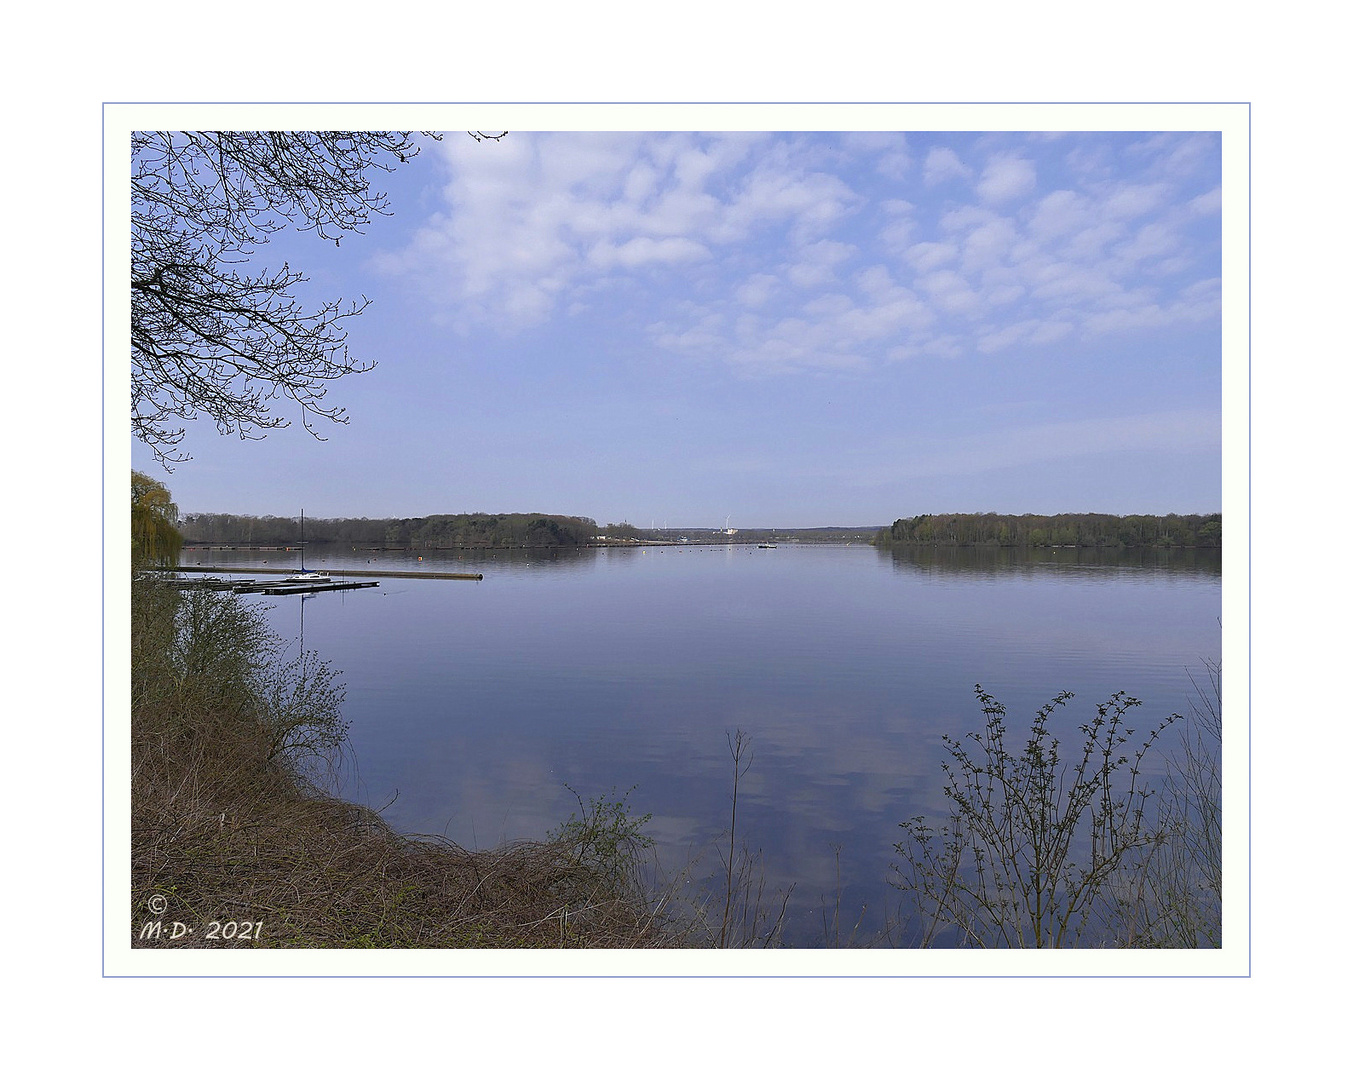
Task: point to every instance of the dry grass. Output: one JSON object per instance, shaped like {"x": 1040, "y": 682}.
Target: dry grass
{"x": 223, "y": 834}
{"x": 224, "y": 829}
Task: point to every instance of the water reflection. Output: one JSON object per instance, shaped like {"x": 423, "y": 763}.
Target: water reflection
{"x": 476, "y": 702}
{"x": 993, "y": 560}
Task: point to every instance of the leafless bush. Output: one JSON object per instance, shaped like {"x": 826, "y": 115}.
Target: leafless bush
{"x": 1171, "y": 896}
{"x": 1033, "y": 843}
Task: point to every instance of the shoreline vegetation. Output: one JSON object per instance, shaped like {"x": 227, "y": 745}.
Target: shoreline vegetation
{"x": 235, "y": 739}
{"x": 232, "y": 825}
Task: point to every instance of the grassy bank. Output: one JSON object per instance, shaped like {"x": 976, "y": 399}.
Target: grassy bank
{"x": 229, "y": 823}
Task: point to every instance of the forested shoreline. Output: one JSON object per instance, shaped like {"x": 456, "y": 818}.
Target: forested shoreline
{"x": 481, "y": 530}
{"x": 436, "y": 531}
{"x": 1055, "y": 530}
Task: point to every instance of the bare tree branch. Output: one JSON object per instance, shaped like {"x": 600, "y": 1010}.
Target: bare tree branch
{"x": 210, "y": 335}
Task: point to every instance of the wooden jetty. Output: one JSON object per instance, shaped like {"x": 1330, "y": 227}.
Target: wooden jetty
{"x": 211, "y": 584}
{"x": 270, "y": 588}
{"x": 294, "y": 588}
{"x": 382, "y": 572}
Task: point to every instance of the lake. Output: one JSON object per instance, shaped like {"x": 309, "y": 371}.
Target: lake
{"x": 477, "y": 705}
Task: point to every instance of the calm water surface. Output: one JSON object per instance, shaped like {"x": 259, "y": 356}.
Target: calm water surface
{"x": 473, "y": 704}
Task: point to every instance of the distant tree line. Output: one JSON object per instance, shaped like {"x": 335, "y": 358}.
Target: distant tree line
{"x": 1055, "y": 530}
{"x": 437, "y": 531}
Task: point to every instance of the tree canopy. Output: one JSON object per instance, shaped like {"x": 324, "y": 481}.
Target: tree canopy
{"x": 435, "y": 531}
{"x": 212, "y": 334}
{"x": 155, "y": 535}
{"x": 1056, "y": 530}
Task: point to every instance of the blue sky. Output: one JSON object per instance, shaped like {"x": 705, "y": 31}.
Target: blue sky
{"x": 793, "y": 329}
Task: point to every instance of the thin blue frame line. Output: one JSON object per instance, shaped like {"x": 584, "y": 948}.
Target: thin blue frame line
{"x": 165, "y": 101}
{"x": 103, "y": 517}
{"x": 1249, "y": 477}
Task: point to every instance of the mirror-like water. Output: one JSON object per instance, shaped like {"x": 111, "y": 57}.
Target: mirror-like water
{"x": 477, "y": 702}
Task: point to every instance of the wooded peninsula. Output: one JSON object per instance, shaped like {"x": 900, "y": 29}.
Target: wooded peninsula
{"x": 437, "y": 531}
{"x": 1055, "y": 530}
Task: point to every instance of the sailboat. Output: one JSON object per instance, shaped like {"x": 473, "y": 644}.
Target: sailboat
{"x": 305, "y": 576}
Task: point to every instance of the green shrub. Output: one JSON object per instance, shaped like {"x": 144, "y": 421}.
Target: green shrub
{"x": 605, "y": 836}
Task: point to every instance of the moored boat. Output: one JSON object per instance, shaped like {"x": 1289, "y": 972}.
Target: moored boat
{"x": 307, "y": 576}
{"x": 304, "y": 576}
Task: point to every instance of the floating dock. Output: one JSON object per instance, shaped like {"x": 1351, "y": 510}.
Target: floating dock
{"x": 270, "y": 588}
{"x": 332, "y": 573}
{"x": 293, "y": 588}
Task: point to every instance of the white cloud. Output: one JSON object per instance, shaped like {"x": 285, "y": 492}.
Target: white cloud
{"x": 896, "y": 165}
{"x": 809, "y": 203}
{"x": 989, "y": 244}
{"x": 876, "y": 282}
{"x": 1046, "y": 333}
{"x": 1088, "y": 244}
{"x": 782, "y": 264}
{"x": 1060, "y": 213}
{"x": 1197, "y": 303}
{"x": 1029, "y": 331}
{"x": 966, "y": 218}
{"x": 830, "y": 305}
{"x": 896, "y": 235}
{"x": 1176, "y": 155}
{"x": 532, "y": 219}
{"x": 818, "y": 262}
{"x": 830, "y": 331}
{"x": 942, "y": 165}
{"x": 929, "y": 255}
{"x": 1071, "y": 283}
{"x": 792, "y": 344}
{"x": 1000, "y": 294}
{"x": 1006, "y": 178}
{"x": 1152, "y": 242}
{"x": 889, "y": 149}
{"x": 951, "y": 292}
{"x": 900, "y": 313}
{"x": 644, "y": 250}
{"x": 1209, "y": 203}
{"x": 757, "y": 289}
{"x": 1006, "y": 336}
{"x": 708, "y": 332}
{"x": 1134, "y": 200}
